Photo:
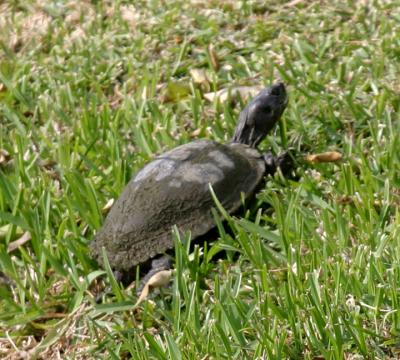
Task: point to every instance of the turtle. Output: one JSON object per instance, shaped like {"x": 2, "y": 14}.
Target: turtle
{"x": 174, "y": 188}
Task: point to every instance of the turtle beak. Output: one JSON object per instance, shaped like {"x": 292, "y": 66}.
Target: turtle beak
{"x": 279, "y": 91}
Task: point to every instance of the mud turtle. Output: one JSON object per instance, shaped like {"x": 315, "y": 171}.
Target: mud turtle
{"x": 173, "y": 189}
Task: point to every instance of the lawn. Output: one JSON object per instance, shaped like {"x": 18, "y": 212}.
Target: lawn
{"x": 92, "y": 91}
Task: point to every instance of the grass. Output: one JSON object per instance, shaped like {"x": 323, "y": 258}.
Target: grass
{"x": 91, "y": 91}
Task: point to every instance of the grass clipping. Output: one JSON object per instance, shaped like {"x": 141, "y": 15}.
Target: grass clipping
{"x": 329, "y": 156}
{"x": 159, "y": 279}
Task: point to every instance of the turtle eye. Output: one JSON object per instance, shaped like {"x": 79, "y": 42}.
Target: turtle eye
{"x": 267, "y": 109}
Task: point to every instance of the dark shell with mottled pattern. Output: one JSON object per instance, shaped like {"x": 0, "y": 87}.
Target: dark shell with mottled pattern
{"x": 173, "y": 190}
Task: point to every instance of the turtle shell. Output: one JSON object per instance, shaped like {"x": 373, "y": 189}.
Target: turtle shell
{"x": 173, "y": 190}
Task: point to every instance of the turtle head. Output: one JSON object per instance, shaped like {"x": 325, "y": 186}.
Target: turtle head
{"x": 260, "y": 115}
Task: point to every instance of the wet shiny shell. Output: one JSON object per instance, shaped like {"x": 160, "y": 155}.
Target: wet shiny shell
{"x": 173, "y": 190}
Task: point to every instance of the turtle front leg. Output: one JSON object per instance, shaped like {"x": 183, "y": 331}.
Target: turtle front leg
{"x": 285, "y": 162}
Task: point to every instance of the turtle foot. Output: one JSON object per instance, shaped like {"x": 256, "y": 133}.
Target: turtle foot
{"x": 285, "y": 162}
